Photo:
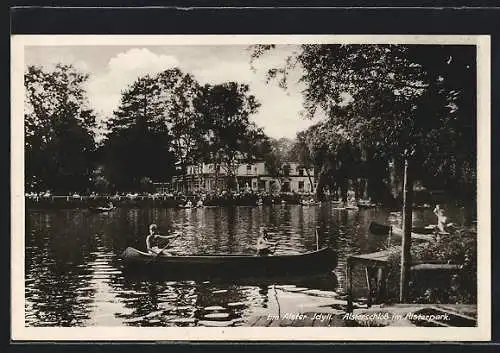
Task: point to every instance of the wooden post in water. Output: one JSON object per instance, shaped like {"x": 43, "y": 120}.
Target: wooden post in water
{"x": 317, "y": 239}
{"x": 407, "y": 223}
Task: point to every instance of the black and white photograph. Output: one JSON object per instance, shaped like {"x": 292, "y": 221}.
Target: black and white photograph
{"x": 226, "y": 186}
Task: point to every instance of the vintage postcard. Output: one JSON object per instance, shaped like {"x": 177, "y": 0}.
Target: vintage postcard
{"x": 234, "y": 187}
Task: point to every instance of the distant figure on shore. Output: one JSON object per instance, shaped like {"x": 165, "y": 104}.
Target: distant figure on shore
{"x": 153, "y": 239}
{"x": 199, "y": 203}
{"x": 263, "y": 243}
{"x": 441, "y": 218}
{"x": 189, "y": 204}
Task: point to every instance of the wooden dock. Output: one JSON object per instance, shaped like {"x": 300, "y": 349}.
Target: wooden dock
{"x": 376, "y": 266}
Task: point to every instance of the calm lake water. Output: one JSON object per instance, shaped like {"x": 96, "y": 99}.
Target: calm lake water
{"x": 74, "y": 273}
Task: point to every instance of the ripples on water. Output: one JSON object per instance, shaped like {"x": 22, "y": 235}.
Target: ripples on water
{"x": 74, "y": 276}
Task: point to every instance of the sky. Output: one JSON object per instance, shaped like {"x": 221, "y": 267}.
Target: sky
{"x": 112, "y": 68}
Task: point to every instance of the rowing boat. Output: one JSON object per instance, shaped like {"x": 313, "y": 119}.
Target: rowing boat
{"x": 382, "y": 229}
{"x": 232, "y": 265}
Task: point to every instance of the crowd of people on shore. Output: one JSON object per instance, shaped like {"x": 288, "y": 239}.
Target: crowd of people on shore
{"x": 181, "y": 199}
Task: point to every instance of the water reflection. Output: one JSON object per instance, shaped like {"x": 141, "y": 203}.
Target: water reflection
{"x": 74, "y": 275}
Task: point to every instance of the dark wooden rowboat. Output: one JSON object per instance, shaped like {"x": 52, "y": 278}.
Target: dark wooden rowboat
{"x": 322, "y": 260}
{"x": 382, "y": 229}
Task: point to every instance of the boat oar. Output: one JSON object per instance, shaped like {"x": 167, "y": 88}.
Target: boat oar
{"x": 275, "y": 246}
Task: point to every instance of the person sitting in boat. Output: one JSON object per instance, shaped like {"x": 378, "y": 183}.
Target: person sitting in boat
{"x": 441, "y": 218}
{"x": 154, "y": 238}
{"x": 263, "y": 244}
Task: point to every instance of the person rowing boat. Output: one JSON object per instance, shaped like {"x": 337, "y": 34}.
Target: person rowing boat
{"x": 154, "y": 238}
{"x": 263, "y": 244}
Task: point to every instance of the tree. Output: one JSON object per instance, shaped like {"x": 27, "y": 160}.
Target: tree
{"x": 396, "y": 98}
{"x": 277, "y": 158}
{"x": 138, "y": 143}
{"x": 59, "y": 129}
{"x": 178, "y": 92}
{"x": 412, "y": 103}
{"x": 100, "y": 182}
{"x": 229, "y": 137}
{"x": 301, "y": 153}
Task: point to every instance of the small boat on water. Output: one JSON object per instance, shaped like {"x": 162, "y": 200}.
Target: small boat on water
{"x": 422, "y": 206}
{"x": 366, "y": 204}
{"x": 419, "y": 233}
{"x": 232, "y": 264}
{"x": 102, "y": 209}
{"x": 188, "y": 205}
{"x": 309, "y": 203}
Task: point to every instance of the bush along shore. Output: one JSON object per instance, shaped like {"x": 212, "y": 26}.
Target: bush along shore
{"x": 455, "y": 287}
{"x": 161, "y": 201}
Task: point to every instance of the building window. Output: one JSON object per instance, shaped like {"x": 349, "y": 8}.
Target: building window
{"x": 301, "y": 185}
{"x": 249, "y": 169}
{"x": 301, "y": 172}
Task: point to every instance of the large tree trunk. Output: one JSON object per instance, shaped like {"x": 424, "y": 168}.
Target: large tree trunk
{"x": 321, "y": 183}
{"x": 344, "y": 186}
{"x": 216, "y": 175}
{"x": 407, "y": 225}
{"x": 365, "y": 189}
{"x": 310, "y": 181}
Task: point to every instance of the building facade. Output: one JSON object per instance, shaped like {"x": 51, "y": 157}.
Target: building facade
{"x": 250, "y": 177}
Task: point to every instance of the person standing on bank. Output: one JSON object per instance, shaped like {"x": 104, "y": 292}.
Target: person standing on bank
{"x": 153, "y": 239}
{"x": 441, "y": 218}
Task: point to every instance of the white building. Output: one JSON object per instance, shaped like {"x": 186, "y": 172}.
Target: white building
{"x": 251, "y": 176}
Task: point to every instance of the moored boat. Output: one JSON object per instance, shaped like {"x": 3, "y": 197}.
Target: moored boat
{"x": 231, "y": 265}
{"x": 382, "y": 229}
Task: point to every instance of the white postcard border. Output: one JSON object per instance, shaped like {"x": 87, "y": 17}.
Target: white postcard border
{"x": 18, "y": 330}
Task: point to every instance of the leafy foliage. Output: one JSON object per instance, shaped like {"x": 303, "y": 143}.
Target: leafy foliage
{"x": 386, "y": 100}
{"x": 228, "y": 134}
{"x": 138, "y": 142}
{"x": 59, "y": 129}
{"x": 278, "y": 155}
{"x": 459, "y": 248}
